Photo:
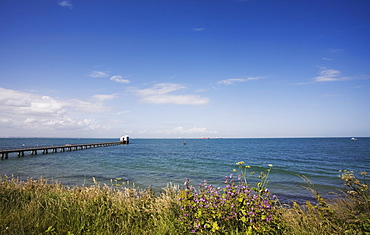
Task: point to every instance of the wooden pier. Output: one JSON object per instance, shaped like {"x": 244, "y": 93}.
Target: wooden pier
{"x": 4, "y": 154}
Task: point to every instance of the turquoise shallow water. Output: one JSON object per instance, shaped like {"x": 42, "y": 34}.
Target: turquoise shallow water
{"x": 156, "y": 162}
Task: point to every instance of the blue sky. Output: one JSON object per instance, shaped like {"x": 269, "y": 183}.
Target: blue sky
{"x": 184, "y": 68}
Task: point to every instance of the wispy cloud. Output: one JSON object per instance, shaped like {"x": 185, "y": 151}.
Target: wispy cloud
{"x": 66, "y": 4}
{"x": 105, "y": 74}
{"x": 118, "y": 78}
{"x": 332, "y": 75}
{"x": 101, "y": 97}
{"x": 99, "y": 74}
{"x": 234, "y": 80}
{"x": 176, "y": 99}
{"x": 198, "y": 29}
{"x": 160, "y": 89}
{"x": 161, "y": 94}
{"x": 182, "y": 130}
{"x": 328, "y": 75}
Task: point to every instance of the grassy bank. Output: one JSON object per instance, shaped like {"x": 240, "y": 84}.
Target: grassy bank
{"x": 40, "y": 207}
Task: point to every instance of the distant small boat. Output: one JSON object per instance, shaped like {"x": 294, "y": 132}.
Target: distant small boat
{"x": 353, "y": 139}
{"x": 204, "y": 138}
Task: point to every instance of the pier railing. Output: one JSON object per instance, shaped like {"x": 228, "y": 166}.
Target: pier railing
{"x": 4, "y": 153}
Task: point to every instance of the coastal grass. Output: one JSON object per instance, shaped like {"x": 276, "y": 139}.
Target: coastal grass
{"x": 40, "y": 207}
{"x": 37, "y": 206}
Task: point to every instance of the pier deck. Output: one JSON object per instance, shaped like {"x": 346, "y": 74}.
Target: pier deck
{"x": 4, "y": 154}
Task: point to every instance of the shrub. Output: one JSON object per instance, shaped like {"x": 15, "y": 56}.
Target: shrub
{"x": 235, "y": 207}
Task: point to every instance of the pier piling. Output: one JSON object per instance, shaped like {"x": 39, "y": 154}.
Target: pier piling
{"x": 4, "y": 154}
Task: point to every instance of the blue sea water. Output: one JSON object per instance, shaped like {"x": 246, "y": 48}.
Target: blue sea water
{"x": 157, "y": 162}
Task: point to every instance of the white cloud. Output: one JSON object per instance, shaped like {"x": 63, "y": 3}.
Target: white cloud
{"x": 332, "y": 75}
{"x": 30, "y": 104}
{"x": 176, "y": 99}
{"x": 99, "y": 74}
{"x": 182, "y": 130}
{"x": 105, "y": 74}
{"x": 234, "y": 80}
{"x": 71, "y": 124}
{"x": 118, "y": 78}
{"x": 159, "y": 94}
{"x": 101, "y": 97}
{"x": 198, "y": 29}
{"x": 160, "y": 89}
{"x": 29, "y": 111}
{"x": 66, "y": 4}
{"x": 328, "y": 75}
{"x": 93, "y": 105}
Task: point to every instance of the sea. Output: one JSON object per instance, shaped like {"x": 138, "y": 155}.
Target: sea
{"x": 156, "y": 163}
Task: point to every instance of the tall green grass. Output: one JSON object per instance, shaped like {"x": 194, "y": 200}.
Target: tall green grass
{"x": 37, "y": 206}
{"x": 346, "y": 214}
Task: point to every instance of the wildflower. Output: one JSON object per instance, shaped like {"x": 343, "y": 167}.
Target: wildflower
{"x": 247, "y": 166}
{"x": 270, "y": 165}
{"x": 234, "y": 170}
{"x": 240, "y": 163}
